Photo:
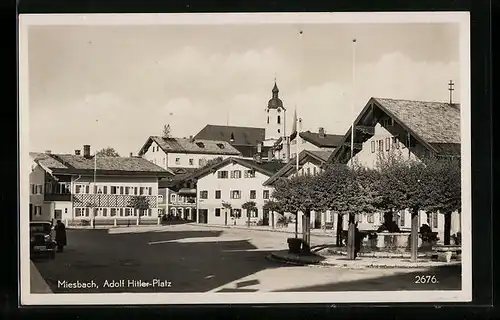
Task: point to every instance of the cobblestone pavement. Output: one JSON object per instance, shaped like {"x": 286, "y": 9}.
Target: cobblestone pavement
{"x": 189, "y": 258}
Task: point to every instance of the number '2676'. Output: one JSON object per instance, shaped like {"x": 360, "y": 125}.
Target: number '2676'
{"x": 426, "y": 279}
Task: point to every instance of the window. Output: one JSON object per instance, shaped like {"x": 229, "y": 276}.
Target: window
{"x": 105, "y": 190}
{"x": 217, "y": 212}
{"x": 104, "y": 212}
{"x": 128, "y": 212}
{"x": 32, "y": 189}
{"x": 121, "y": 190}
{"x": 381, "y": 217}
{"x": 395, "y": 143}
{"x": 222, "y": 174}
{"x": 217, "y": 194}
{"x": 402, "y": 218}
{"x": 135, "y": 190}
{"x": 150, "y": 191}
{"x": 370, "y": 218}
{"x": 279, "y": 130}
{"x": 373, "y": 146}
{"x": 253, "y": 214}
{"x": 112, "y": 212}
{"x": 177, "y": 160}
{"x": 434, "y": 220}
{"x": 235, "y": 174}
{"x": 220, "y": 145}
{"x": 308, "y": 171}
{"x": 160, "y": 198}
{"x": 387, "y": 122}
{"x": 180, "y": 199}
{"x": 191, "y": 162}
{"x": 113, "y": 190}
{"x": 267, "y": 119}
{"x": 38, "y": 210}
{"x": 202, "y": 162}
{"x": 79, "y": 212}
{"x": 249, "y": 174}
{"x": 279, "y": 120}
{"x": 173, "y": 198}
{"x": 127, "y": 190}
{"x": 314, "y": 170}
{"x": 78, "y": 189}
{"x": 236, "y": 213}
{"x": 235, "y": 194}
{"x": 387, "y": 144}
{"x": 265, "y": 194}
{"x": 204, "y": 194}
{"x": 200, "y": 144}
{"x": 253, "y": 194}
{"x": 380, "y": 145}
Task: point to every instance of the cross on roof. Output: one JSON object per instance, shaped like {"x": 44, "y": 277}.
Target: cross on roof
{"x": 450, "y": 88}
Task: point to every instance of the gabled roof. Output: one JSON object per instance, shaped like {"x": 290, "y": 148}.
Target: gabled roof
{"x": 181, "y": 174}
{"x": 319, "y": 140}
{"x": 436, "y": 125}
{"x": 266, "y": 168}
{"x": 242, "y": 135}
{"x": 291, "y": 167}
{"x": 190, "y": 146}
{"x": 73, "y": 164}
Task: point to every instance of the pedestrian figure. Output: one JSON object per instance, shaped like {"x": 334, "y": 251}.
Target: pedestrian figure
{"x": 357, "y": 242}
{"x": 60, "y": 230}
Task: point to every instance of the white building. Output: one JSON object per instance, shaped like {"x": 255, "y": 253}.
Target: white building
{"x": 410, "y": 129}
{"x": 76, "y": 188}
{"x": 234, "y": 181}
{"x": 183, "y": 156}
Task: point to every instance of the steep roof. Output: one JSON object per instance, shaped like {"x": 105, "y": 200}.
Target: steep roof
{"x": 435, "y": 124}
{"x": 291, "y": 167}
{"x": 192, "y": 146}
{"x": 181, "y": 174}
{"x": 319, "y": 140}
{"x": 242, "y": 135}
{"x": 73, "y": 164}
{"x": 266, "y": 168}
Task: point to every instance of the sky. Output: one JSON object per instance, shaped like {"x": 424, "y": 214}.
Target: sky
{"x": 117, "y": 85}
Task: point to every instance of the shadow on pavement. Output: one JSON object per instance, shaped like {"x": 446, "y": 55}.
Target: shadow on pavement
{"x": 448, "y": 277}
{"x": 194, "y": 264}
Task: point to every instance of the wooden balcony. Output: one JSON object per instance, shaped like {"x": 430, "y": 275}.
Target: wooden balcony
{"x": 108, "y": 200}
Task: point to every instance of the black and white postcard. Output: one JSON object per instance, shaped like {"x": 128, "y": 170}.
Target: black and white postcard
{"x": 245, "y": 158}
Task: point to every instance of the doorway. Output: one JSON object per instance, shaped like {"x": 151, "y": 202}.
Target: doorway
{"x": 265, "y": 217}
{"x": 225, "y": 217}
{"x": 203, "y": 215}
{"x": 58, "y": 214}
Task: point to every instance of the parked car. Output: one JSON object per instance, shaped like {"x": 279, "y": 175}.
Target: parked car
{"x": 42, "y": 239}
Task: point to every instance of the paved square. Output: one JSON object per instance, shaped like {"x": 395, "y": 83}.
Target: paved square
{"x": 190, "y": 258}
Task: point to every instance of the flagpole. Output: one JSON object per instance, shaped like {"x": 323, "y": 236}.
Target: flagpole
{"x": 353, "y": 99}
{"x": 299, "y": 96}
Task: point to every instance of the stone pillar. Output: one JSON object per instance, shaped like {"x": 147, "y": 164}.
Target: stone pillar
{"x": 137, "y": 221}
{"x": 114, "y": 222}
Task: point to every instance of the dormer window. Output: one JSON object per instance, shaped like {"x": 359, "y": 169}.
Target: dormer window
{"x": 200, "y": 144}
{"x": 387, "y": 122}
{"x": 220, "y": 145}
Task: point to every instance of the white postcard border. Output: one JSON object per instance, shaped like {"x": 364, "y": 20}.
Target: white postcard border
{"x": 28, "y": 298}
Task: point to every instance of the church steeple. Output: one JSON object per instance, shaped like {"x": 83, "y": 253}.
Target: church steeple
{"x": 275, "y": 102}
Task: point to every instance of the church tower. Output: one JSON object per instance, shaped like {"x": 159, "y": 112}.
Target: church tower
{"x": 275, "y": 122}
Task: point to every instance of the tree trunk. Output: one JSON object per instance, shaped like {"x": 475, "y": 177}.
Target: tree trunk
{"x": 248, "y": 217}
{"x": 340, "y": 228}
{"x": 447, "y": 228}
{"x": 297, "y": 225}
{"x": 351, "y": 240}
{"x": 272, "y": 219}
{"x": 306, "y": 227}
{"x": 388, "y": 217}
{"x": 414, "y": 235}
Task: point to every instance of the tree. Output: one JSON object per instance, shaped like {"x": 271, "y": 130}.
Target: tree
{"x": 443, "y": 189}
{"x": 404, "y": 185}
{"x": 299, "y": 194}
{"x": 141, "y": 204}
{"x": 166, "y": 132}
{"x": 107, "y": 152}
{"x": 249, "y": 206}
{"x": 227, "y": 207}
{"x": 333, "y": 183}
{"x": 272, "y": 206}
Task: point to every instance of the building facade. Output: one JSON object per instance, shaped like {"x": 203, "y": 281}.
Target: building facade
{"x": 407, "y": 129}
{"x": 105, "y": 190}
{"x": 225, "y": 187}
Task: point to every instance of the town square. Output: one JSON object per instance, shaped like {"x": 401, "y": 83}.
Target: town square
{"x": 280, "y": 163}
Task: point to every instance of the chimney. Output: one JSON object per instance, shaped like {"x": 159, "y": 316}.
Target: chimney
{"x": 48, "y": 151}
{"x": 77, "y": 152}
{"x": 86, "y": 151}
{"x": 131, "y": 155}
{"x": 322, "y": 132}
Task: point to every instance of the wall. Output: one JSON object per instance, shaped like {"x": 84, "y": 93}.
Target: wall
{"x": 37, "y": 178}
{"x": 304, "y": 145}
{"x": 273, "y": 129}
{"x": 368, "y": 158}
{"x": 211, "y": 183}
